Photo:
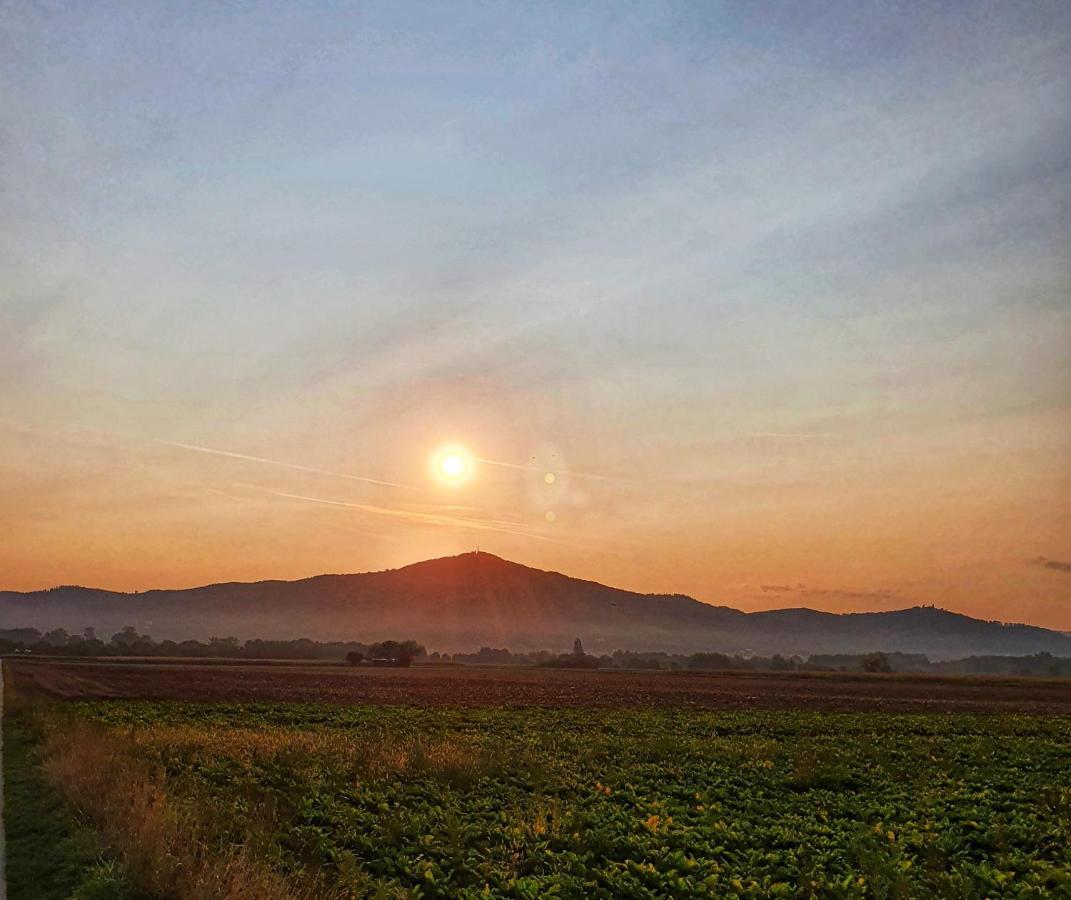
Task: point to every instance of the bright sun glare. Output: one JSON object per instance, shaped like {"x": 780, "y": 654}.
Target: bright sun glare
{"x": 453, "y": 465}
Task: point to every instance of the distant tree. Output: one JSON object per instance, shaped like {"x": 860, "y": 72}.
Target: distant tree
{"x": 57, "y": 637}
{"x": 492, "y": 655}
{"x": 90, "y": 633}
{"x": 876, "y": 662}
{"x": 578, "y": 659}
{"x": 223, "y": 643}
{"x": 710, "y": 661}
{"x": 398, "y": 653}
{"x": 127, "y": 636}
{"x": 355, "y": 657}
{"x": 571, "y": 661}
{"x": 625, "y": 659}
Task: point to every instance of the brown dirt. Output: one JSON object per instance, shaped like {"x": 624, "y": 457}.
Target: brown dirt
{"x": 435, "y": 686}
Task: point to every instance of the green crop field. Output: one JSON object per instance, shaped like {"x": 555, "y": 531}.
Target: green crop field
{"x": 328, "y": 801}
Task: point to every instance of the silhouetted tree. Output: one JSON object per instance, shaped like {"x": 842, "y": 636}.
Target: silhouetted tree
{"x": 57, "y": 637}
{"x": 399, "y": 653}
{"x": 876, "y": 662}
{"x": 128, "y": 636}
{"x": 223, "y": 643}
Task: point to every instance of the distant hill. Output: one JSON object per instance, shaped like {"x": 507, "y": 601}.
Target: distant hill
{"x": 464, "y": 602}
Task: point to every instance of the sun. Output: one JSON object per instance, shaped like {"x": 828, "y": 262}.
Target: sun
{"x": 452, "y": 465}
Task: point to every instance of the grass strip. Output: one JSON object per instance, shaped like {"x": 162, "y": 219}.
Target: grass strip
{"x": 49, "y": 856}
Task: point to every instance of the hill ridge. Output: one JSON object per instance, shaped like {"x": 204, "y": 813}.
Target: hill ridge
{"x": 473, "y": 599}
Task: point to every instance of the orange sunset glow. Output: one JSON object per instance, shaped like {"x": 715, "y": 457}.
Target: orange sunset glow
{"x": 675, "y": 320}
{"x": 958, "y": 516}
{"x": 561, "y": 449}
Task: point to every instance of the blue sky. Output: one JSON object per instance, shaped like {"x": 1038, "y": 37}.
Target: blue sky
{"x": 654, "y": 237}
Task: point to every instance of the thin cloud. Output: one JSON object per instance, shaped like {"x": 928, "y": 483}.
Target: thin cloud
{"x": 876, "y": 596}
{"x": 287, "y": 465}
{"x": 475, "y": 511}
{"x": 1053, "y": 564}
{"x": 531, "y": 468}
{"x": 794, "y": 435}
{"x": 426, "y": 518}
{"x": 804, "y": 590}
{"x": 225, "y": 494}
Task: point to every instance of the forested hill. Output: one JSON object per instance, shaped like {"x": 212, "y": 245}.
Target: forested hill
{"x": 464, "y": 602}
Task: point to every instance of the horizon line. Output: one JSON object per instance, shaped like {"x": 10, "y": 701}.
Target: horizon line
{"x": 476, "y": 552}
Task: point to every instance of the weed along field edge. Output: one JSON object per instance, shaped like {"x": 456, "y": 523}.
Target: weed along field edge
{"x": 271, "y": 797}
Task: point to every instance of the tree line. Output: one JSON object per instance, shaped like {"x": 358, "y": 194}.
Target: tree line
{"x": 128, "y": 641}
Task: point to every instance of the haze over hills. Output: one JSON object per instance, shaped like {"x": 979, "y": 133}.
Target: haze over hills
{"x": 463, "y": 602}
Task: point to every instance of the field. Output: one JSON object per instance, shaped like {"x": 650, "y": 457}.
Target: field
{"x": 458, "y": 783}
{"x": 459, "y": 686}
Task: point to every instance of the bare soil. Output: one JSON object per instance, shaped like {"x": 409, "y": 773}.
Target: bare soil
{"x": 450, "y": 686}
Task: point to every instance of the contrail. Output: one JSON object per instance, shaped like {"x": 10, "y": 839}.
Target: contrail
{"x": 412, "y": 516}
{"x": 530, "y": 468}
{"x": 793, "y": 434}
{"x": 286, "y": 465}
{"x": 225, "y": 494}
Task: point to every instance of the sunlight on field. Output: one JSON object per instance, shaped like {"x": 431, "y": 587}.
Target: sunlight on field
{"x": 337, "y": 802}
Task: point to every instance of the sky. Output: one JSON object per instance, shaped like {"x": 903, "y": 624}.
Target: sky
{"x": 778, "y": 293}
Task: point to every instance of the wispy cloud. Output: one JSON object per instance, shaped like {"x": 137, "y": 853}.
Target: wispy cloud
{"x": 794, "y": 435}
{"x": 877, "y": 596}
{"x": 425, "y": 518}
{"x": 533, "y": 468}
{"x": 859, "y": 594}
{"x": 1053, "y": 564}
{"x": 288, "y": 465}
{"x": 220, "y": 493}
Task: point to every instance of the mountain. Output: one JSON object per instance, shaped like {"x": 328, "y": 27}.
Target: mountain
{"x": 476, "y": 599}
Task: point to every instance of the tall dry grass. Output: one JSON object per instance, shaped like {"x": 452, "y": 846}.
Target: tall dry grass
{"x": 455, "y": 759}
{"x": 170, "y": 847}
{"x": 176, "y": 842}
